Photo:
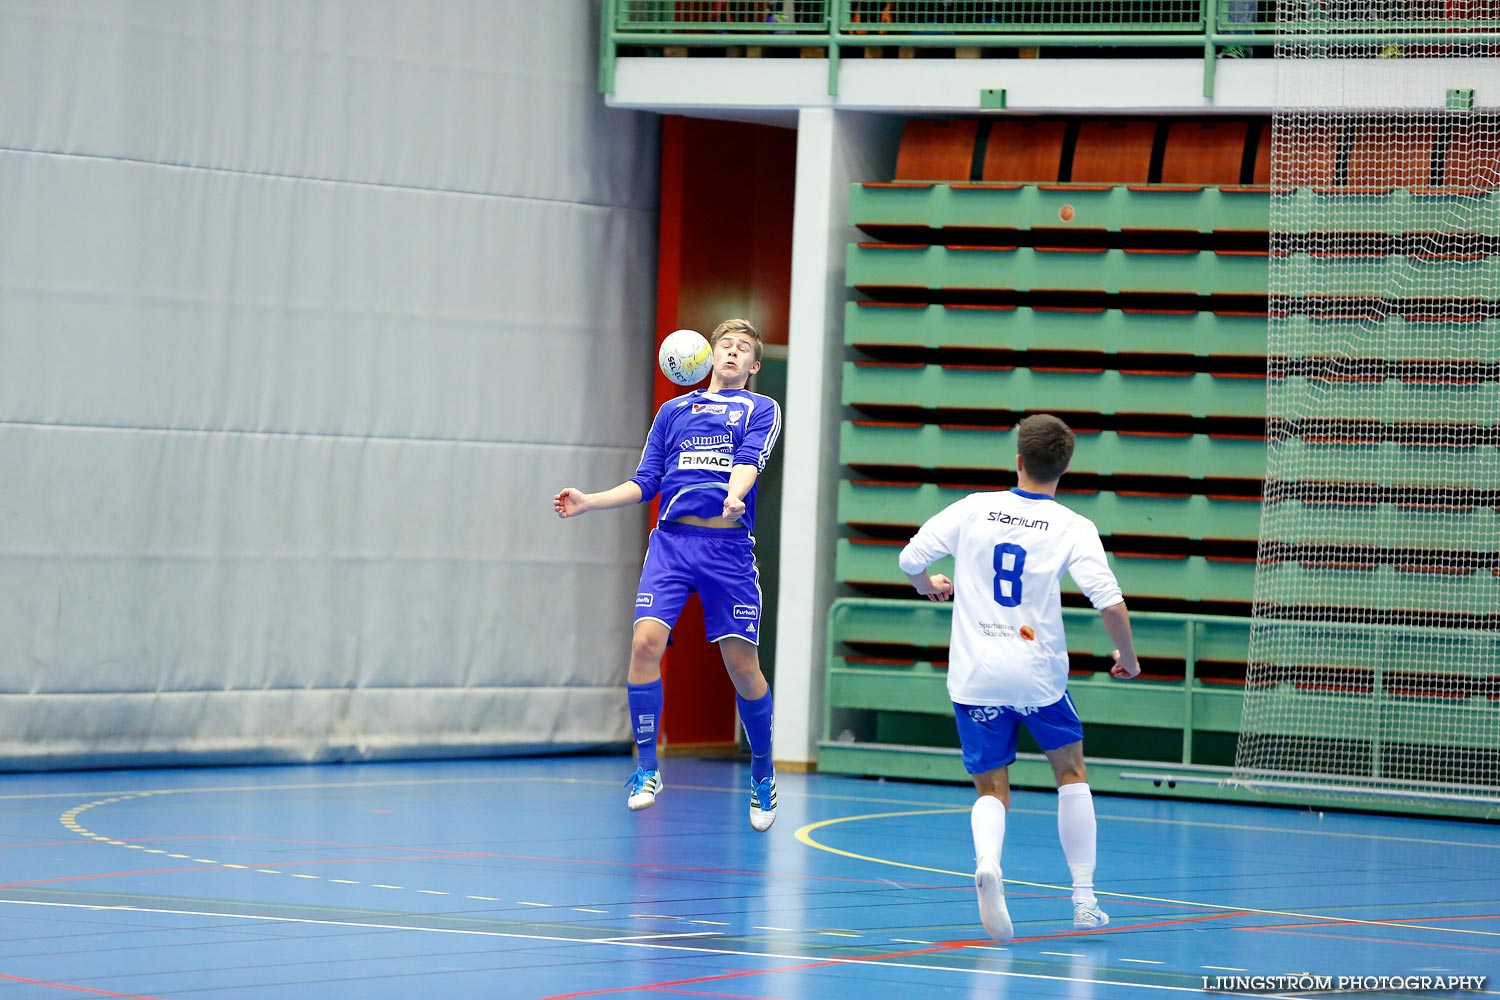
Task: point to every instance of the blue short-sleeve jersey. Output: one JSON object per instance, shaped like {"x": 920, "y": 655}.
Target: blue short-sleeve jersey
{"x": 695, "y": 441}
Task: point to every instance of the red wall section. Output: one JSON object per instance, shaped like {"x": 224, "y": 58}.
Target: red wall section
{"x": 725, "y": 251}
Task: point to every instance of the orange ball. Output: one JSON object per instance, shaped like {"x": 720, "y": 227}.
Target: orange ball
{"x": 1066, "y": 213}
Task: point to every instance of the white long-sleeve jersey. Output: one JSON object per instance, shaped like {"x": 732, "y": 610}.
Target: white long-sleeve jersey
{"x": 1010, "y": 549}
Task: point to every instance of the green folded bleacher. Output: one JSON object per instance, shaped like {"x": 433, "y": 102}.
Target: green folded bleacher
{"x": 1056, "y": 207}
{"x": 1391, "y": 525}
{"x": 1116, "y": 272}
{"x": 1347, "y": 457}
{"x": 934, "y": 447}
{"x": 886, "y": 678}
{"x": 974, "y": 387}
{"x": 865, "y": 503}
{"x": 1416, "y": 583}
{"x": 1027, "y": 269}
{"x": 1385, "y": 400}
{"x": 870, "y": 326}
{"x": 1123, "y": 290}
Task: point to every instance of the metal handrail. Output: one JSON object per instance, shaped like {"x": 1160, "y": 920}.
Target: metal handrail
{"x": 1215, "y": 27}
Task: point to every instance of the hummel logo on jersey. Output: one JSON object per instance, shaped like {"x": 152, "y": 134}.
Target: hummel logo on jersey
{"x": 711, "y": 408}
{"x": 704, "y": 460}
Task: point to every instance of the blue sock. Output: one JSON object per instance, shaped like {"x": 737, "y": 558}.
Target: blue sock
{"x": 756, "y": 717}
{"x": 645, "y": 718}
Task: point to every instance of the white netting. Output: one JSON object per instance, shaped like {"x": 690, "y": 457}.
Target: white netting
{"x": 1375, "y": 648}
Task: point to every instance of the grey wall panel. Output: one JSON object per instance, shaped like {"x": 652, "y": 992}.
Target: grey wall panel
{"x": 482, "y": 96}
{"x": 175, "y": 561}
{"x": 307, "y": 725}
{"x": 306, "y": 310}
{"x": 322, "y": 308}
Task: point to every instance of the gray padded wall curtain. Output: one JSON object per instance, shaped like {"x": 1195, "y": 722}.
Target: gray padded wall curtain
{"x": 306, "y": 309}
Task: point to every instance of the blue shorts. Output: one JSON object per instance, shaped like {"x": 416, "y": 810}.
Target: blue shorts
{"x": 717, "y": 563}
{"x": 988, "y": 732}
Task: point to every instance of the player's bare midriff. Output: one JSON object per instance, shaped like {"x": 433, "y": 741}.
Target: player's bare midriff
{"x": 709, "y": 522}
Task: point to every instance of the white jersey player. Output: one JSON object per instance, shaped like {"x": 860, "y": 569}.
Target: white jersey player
{"x": 1008, "y": 657}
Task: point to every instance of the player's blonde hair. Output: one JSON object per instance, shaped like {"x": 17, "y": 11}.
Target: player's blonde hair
{"x": 739, "y": 328}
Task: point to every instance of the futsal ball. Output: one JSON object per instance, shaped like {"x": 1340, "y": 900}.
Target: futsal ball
{"x": 685, "y": 357}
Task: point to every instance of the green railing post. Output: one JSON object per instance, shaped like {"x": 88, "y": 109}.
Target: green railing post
{"x": 1189, "y": 682}
{"x": 607, "y": 47}
{"x": 835, "y": 40}
{"x": 1210, "y": 51}
{"x": 660, "y": 27}
{"x": 1377, "y": 692}
{"x": 834, "y": 614}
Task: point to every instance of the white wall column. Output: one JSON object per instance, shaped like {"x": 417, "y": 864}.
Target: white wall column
{"x": 834, "y": 149}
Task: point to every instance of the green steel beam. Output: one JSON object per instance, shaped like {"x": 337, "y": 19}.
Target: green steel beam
{"x": 835, "y": 31}
{"x": 1120, "y": 777}
{"x": 607, "y": 48}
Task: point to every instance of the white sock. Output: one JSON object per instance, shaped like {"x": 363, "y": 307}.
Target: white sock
{"x": 1078, "y": 831}
{"x": 987, "y": 821}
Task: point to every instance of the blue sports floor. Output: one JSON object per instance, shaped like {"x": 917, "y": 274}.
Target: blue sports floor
{"x": 527, "y": 878}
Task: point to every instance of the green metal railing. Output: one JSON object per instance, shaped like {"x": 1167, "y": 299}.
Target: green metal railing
{"x": 1214, "y": 26}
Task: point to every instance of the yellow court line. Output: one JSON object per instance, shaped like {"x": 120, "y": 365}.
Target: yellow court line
{"x": 804, "y": 835}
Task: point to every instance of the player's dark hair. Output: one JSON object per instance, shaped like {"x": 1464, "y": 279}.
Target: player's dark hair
{"x": 740, "y": 328}
{"x": 1046, "y": 446}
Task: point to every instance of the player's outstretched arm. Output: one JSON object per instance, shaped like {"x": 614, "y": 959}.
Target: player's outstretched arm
{"x": 1117, "y": 624}
{"x": 571, "y": 502}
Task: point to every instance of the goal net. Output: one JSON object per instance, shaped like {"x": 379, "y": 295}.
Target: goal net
{"x": 1375, "y": 642}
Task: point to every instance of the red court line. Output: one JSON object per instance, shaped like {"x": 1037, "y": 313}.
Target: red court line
{"x": 219, "y": 867}
{"x": 686, "y": 982}
{"x": 438, "y": 855}
{"x": 75, "y": 842}
{"x": 1136, "y": 927}
{"x": 728, "y": 871}
{"x": 75, "y": 989}
{"x": 232, "y": 837}
{"x": 1335, "y": 921}
{"x": 80, "y": 878}
{"x": 292, "y": 840}
{"x": 884, "y": 957}
{"x": 458, "y": 855}
{"x": 1306, "y": 930}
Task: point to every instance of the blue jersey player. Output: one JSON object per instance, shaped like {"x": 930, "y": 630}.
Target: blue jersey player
{"x": 704, "y": 453}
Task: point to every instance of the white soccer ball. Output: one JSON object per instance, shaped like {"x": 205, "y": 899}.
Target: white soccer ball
{"x": 685, "y": 357}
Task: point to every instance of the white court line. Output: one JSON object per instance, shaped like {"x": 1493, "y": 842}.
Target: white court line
{"x": 651, "y": 937}
{"x": 813, "y": 959}
{"x": 804, "y": 836}
{"x": 823, "y": 796}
